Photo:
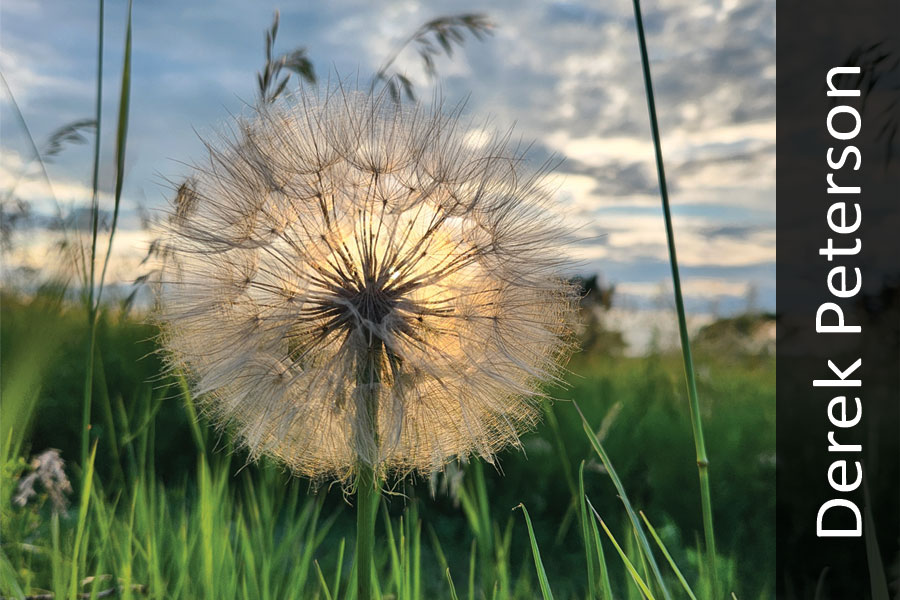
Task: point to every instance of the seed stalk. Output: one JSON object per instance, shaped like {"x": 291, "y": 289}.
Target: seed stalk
{"x": 696, "y": 422}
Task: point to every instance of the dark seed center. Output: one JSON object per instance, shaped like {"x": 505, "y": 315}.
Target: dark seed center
{"x": 372, "y": 302}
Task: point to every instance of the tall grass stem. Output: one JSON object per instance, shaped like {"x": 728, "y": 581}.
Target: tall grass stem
{"x": 95, "y": 221}
{"x": 367, "y": 495}
{"x": 93, "y": 302}
{"x": 696, "y": 422}
{"x": 121, "y": 138}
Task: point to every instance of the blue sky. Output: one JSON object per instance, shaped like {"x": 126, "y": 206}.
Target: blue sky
{"x": 566, "y": 74}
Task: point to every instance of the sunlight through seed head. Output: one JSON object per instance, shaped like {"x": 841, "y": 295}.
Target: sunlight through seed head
{"x": 337, "y": 233}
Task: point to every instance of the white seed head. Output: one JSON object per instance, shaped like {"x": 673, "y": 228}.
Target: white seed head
{"x": 348, "y": 280}
{"x": 49, "y": 469}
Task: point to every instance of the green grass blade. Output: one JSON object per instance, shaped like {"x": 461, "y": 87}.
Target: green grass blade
{"x": 630, "y": 546}
{"x": 314, "y": 536}
{"x": 417, "y": 558}
{"x": 586, "y": 535}
{"x": 473, "y": 498}
{"x": 470, "y": 511}
{"x": 89, "y": 277}
{"x": 121, "y": 138}
{"x": 606, "y": 586}
{"x": 191, "y": 409}
{"x": 322, "y": 581}
{"x": 438, "y": 550}
{"x": 88, "y": 390}
{"x": 8, "y": 576}
{"x": 560, "y": 448}
{"x": 81, "y": 524}
{"x": 405, "y": 553}
{"x": 105, "y": 404}
{"x": 635, "y": 522}
{"x": 28, "y": 360}
{"x": 633, "y": 548}
{"x": 538, "y": 563}
{"x": 592, "y": 544}
{"x": 339, "y": 567}
{"x": 665, "y": 551}
{"x": 453, "y": 595}
{"x": 56, "y": 560}
{"x": 502, "y": 560}
{"x": 352, "y": 578}
{"x": 473, "y": 554}
{"x": 562, "y": 453}
{"x": 396, "y": 571}
{"x": 628, "y": 565}
{"x": 95, "y": 174}
{"x": 482, "y": 495}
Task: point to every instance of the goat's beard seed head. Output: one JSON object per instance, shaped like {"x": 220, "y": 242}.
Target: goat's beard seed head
{"x": 349, "y": 281}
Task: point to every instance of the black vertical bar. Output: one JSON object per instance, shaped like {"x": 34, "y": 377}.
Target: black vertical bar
{"x": 812, "y": 39}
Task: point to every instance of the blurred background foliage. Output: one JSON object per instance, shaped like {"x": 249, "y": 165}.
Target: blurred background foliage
{"x": 636, "y": 404}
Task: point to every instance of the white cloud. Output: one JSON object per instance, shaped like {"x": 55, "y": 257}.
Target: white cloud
{"x": 704, "y": 287}
{"x": 26, "y": 79}
{"x": 32, "y": 187}
{"x": 627, "y": 237}
{"x": 567, "y": 73}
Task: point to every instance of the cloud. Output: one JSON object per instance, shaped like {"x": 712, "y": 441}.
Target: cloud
{"x": 565, "y": 73}
{"x": 25, "y": 180}
{"x": 703, "y": 287}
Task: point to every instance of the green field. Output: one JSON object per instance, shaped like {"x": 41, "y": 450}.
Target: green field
{"x": 602, "y": 500}
{"x": 164, "y": 508}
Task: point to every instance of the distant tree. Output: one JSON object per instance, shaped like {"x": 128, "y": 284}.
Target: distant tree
{"x": 749, "y": 334}
{"x": 596, "y": 302}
